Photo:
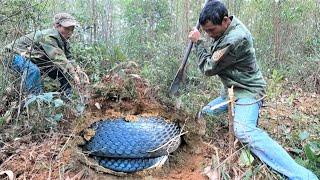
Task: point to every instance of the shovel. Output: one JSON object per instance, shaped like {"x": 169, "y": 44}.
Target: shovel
{"x": 180, "y": 73}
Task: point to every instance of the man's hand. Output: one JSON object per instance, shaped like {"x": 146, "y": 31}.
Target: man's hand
{"x": 194, "y": 35}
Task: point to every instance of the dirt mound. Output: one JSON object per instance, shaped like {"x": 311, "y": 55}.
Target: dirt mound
{"x": 121, "y": 93}
{"x": 54, "y": 153}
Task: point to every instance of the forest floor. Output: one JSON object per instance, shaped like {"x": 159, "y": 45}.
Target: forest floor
{"x": 56, "y": 153}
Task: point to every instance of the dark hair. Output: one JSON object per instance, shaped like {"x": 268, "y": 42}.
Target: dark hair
{"x": 214, "y": 11}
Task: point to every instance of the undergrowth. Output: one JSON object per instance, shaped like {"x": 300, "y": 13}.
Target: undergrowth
{"x": 195, "y": 91}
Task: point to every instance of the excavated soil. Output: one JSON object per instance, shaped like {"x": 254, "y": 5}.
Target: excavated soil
{"x": 121, "y": 93}
{"x": 55, "y": 154}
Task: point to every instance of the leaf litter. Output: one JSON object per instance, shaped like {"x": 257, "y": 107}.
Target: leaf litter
{"x": 124, "y": 93}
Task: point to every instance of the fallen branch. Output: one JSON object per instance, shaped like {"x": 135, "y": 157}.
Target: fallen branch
{"x": 8, "y": 173}
{"x": 231, "y": 118}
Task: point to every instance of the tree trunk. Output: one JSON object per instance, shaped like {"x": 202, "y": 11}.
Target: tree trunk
{"x": 317, "y": 19}
{"x": 94, "y": 19}
{"x": 107, "y": 20}
{"x": 186, "y": 18}
{"x": 277, "y": 32}
{"x": 235, "y": 12}
{"x": 176, "y": 29}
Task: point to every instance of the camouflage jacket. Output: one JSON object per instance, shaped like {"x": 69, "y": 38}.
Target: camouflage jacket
{"x": 46, "y": 49}
{"x": 232, "y": 58}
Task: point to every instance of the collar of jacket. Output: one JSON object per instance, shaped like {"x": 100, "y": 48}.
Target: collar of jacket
{"x": 233, "y": 24}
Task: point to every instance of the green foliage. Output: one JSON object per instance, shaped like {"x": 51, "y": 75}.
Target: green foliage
{"x": 246, "y": 159}
{"x": 47, "y": 105}
{"x": 147, "y": 24}
{"x": 2, "y": 121}
{"x": 312, "y": 153}
{"x": 275, "y": 84}
{"x": 98, "y": 59}
{"x": 152, "y": 33}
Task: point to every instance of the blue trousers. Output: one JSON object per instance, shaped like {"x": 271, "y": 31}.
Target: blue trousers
{"x": 259, "y": 142}
{"x": 31, "y": 75}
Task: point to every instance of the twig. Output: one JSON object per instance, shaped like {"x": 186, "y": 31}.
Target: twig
{"x": 268, "y": 169}
{"x": 6, "y": 144}
{"x": 84, "y": 159}
{"x": 7, "y": 160}
{"x": 227, "y": 159}
{"x": 50, "y": 170}
{"x": 171, "y": 140}
{"x": 19, "y": 12}
{"x": 66, "y": 143}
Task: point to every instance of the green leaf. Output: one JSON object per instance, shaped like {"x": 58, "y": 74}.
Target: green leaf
{"x": 80, "y": 108}
{"x": 48, "y": 97}
{"x": 310, "y": 155}
{"x": 246, "y": 158}
{"x": 58, "y": 103}
{"x": 304, "y": 135}
{"x": 315, "y": 147}
{"x": 297, "y": 150}
{"x": 1, "y": 120}
{"x": 57, "y": 117}
{"x": 248, "y": 175}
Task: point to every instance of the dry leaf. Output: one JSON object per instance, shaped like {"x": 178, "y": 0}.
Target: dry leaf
{"x": 88, "y": 134}
{"x": 8, "y": 116}
{"x": 77, "y": 176}
{"x": 212, "y": 174}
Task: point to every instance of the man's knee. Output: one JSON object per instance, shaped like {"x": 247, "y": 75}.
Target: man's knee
{"x": 33, "y": 72}
{"x": 244, "y": 132}
{"x": 241, "y": 133}
{"x": 34, "y": 69}
{"x": 33, "y": 79}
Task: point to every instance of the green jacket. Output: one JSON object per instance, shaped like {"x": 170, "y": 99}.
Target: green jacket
{"x": 238, "y": 66}
{"x": 44, "y": 48}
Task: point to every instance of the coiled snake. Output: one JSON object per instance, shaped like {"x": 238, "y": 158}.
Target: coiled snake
{"x": 132, "y": 146}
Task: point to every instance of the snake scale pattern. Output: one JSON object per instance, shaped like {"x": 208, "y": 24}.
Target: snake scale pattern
{"x": 132, "y": 146}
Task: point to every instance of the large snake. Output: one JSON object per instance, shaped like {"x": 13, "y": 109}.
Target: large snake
{"x": 130, "y": 146}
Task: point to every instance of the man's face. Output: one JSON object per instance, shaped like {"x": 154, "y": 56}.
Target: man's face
{"x": 215, "y": 31}
{"x": 66, "y": 32}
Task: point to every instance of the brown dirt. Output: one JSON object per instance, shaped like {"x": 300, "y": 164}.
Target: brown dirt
{"x": 121, "y": 93}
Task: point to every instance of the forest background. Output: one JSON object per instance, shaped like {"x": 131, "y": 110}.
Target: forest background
{"x": 153, "y": 33}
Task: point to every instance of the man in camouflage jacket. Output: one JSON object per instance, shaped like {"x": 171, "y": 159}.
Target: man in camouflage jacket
{"x": 232, "y": 58}
{"x": 47, "y": 52}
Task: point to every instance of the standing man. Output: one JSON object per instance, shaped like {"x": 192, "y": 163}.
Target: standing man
{"x": 47, "y": 52}
{"x": 232, "y": 58}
